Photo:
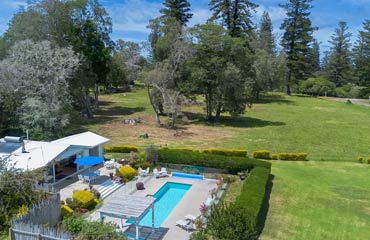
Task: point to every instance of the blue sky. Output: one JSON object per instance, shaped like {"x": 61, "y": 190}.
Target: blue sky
{"x": 130, "y": 17}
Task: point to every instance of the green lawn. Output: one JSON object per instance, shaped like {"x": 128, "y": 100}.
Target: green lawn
{"x": 326, "y": 130}
{"x": 319, "y": 200}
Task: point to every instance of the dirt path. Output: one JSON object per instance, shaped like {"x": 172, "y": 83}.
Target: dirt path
{"x": 362, "y": 102}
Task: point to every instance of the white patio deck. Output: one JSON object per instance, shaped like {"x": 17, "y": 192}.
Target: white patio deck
{"x": 189, "y": 204}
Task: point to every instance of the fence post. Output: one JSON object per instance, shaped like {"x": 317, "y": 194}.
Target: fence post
{"x": 11, "y": 234}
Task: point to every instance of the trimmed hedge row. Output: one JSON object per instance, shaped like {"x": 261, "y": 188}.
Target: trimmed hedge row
{"x": 252, "y": 196}
{"x": 232, "y": 164}
{"x": 227, "y": 152}
{"x": 264, "y": 154}
{"x": 120, "y": 149}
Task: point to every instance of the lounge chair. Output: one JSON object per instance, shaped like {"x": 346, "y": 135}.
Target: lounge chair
{"x": 187, "y": 225}
{"x": 142, "y": 172}
{"x": 209, "y": 202}
{"x": 163, "y": 172}
{"x": 156, "y": 173}
{"x": 191, "y": 217}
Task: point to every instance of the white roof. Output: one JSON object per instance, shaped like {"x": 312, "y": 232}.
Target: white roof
{"x": 38, "y": 154}
{"x": 86, "y": 139}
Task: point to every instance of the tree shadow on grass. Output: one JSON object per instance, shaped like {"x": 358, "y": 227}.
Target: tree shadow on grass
{"x": 266, "y": 204}
{"x": 228, "y": 121}
{"x": 273, "y": 98}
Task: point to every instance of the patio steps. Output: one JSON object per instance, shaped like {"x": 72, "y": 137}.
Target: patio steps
{"x": 108, "y": 187}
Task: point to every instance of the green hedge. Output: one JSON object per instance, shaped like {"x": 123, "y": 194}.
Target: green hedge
{"x": 293, "y": 156}
{"x": 261, "y": 154}
{"x": 253, "y": 193}
{"x": 120, "y": 149}
{"x": 227, "y": 152}
{"x": 232, "y": 164}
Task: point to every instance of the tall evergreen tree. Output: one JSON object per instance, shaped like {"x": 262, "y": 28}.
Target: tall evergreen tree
{"x": 176, "y": 9}
{"x": 297, "y": 39}
{"x": 266, "y": 39}
{"x": 340, "y": 63}
{"x": 362, "y": 55}
{"x": 315, "y": 56}
{"x": 235, "y": 15}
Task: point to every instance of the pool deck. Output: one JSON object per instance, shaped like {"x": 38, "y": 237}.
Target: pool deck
{"x": 189, "y": 204}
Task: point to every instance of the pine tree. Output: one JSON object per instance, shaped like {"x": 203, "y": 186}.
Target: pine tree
{"x": 297, "y": 39}
{"x": 266, "y": 39}
{"x": 315, "y": 56}
{"x": 235, "y": 15}
{"x": 362, "y": 55}
{"x": 176, "y": 9}
{"x": 340, "y": 63}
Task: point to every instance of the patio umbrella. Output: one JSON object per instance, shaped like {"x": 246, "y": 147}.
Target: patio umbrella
{"x": 88, "y": 161}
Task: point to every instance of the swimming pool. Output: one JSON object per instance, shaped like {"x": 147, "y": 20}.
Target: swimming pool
{"x": 187, "y": 175}
{"x": 167, "y": 197}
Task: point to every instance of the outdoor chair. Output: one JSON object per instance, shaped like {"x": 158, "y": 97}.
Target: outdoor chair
{"x": 186, "y": 225}
{"x": 80, "y": 178}
{"x": 156, "y": 173}
{"x": 163, "y": 172}
{"x": 191, "y": 217}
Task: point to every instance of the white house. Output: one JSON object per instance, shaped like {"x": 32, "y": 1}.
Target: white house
{"x": 58, "y": 155}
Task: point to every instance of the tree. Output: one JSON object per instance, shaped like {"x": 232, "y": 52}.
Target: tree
{"x": 340, "y": 63}
{"x": 36, "y": 74}
{"x": 315, "y": 57}
{"x": 235, "y": 15}
{"x": 296, "y": 40}
{"x": 270, "y": 72}
{"x": 220, "y": 70}
{"x": 362, "y": 55}
{"x": 266, "y": 39}
{"x": 176, "y": 9}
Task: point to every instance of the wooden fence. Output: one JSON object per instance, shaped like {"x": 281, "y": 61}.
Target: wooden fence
{"x": 40, "y": 222}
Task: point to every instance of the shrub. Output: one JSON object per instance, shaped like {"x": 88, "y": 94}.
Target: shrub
{"x": 226, "y": 152}
{"x": 261, "y": 154}
{"x": 317, "y": 87}
{"x": 360, "y": 159}
{"x": 274, "y": 156}
{"x": 127, "y": 173}
{"x": 252, "y": 195}
{"x": 72, "y": 204}
{"x": 368, "y": 161}
{"x": 84, "y": 199}
{"x": 293, "y": 156}
{"x": 120, "y": 149}
{"x": 66, "y": 211}
{"x": 232, "y": 164}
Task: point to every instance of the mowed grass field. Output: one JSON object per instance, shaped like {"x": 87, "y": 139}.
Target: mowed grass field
{"x": 329, "y": 131}
{"x": 327, "y": 197}
{"x": 319, "y": 200}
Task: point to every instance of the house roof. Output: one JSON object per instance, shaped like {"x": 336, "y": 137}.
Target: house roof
{"x": 86, "y": 139}
{"x": 39, "y": 153}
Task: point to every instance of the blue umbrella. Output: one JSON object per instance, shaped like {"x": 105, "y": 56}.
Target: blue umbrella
{"x": 88, "y": 161}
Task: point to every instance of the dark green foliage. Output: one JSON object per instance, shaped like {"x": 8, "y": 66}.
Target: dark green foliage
{"x": 297, "y": 39}
{"x": 252, "y": 196}
{"x": 293, "y": 156}
{"x": 317, "y": 87}
{"x": 176, "y": 9}
{"x": 266, "y": 39}
{"x": 120, "y": 149}
{"x": 231, "y": 222}
{"x": 315, "y": 56}
{"x": 235, "y": 15}
{"x": 339, "y": 68}
{"x": 221, "y": 69}
{"x": 232, "y": 164}
{"x": 82, "y": 229}
{"x": 361, "y": 53}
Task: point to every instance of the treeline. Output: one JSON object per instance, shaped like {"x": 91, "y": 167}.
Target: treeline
{"x": 55, "y": 59}
{"x": 57, "y": 56}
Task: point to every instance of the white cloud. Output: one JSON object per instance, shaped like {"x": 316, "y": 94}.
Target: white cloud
{"x": 200, "y": 16}
{"x": 276, "y": 13}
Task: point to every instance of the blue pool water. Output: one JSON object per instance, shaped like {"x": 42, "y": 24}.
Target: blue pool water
{"x": 187, "y": 175}
{"x": 167, "y": 197}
